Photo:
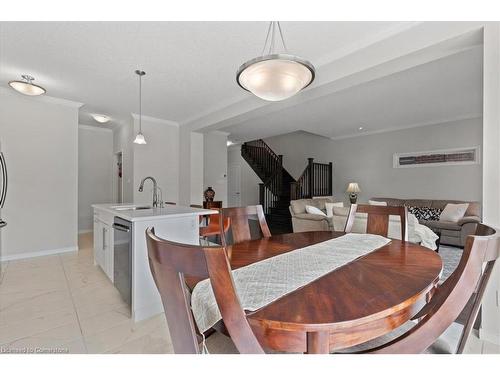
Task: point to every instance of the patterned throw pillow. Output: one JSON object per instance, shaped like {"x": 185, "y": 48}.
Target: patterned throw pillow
{"x": 425, "y": 213}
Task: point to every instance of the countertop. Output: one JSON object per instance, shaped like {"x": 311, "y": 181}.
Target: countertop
{"x": 169, "y": 211}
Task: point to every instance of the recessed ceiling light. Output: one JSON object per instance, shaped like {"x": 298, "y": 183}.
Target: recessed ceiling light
{"x": 101, "y": 118}
{"x": 27, "y": 87}
{"x": 360, "y": 128}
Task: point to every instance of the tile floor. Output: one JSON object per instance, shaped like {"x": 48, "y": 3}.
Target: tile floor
{"x": 63, "y": 303}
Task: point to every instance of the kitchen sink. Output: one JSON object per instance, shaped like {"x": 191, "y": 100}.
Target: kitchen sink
{"x": 130, "y": 208}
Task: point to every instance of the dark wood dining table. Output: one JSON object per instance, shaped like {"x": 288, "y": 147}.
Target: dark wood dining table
{"x": 355, "y": 303}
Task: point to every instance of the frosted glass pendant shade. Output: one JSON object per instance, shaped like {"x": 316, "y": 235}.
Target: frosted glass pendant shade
{"x": 275, "y": 77}
{"x": 139, "y": 139}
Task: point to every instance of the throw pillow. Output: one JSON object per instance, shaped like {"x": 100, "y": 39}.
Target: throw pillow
{"x": 425, "y": 213}
{"x": 314, "y": 210}
{"x": 329, "y": 207}
{"x": 377, "y": 203}
{"x": 454, "y": 212}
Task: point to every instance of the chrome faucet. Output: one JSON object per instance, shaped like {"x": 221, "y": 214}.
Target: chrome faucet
{"x": 157, "y": 202}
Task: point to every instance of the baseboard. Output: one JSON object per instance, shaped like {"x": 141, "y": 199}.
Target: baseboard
{"x": 83, "y": 231}
{"x": 489, "y": 336}
{"x": 35, "y": 254}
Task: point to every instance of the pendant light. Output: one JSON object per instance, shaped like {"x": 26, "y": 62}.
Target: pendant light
{"x": 27, "y": 87}
{"x": 275, "y": 76}
{"x": 139, "y": 138}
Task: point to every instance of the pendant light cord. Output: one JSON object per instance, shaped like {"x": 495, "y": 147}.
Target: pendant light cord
{"x": 140, "y": 104}
{"x": 271, "y": 32}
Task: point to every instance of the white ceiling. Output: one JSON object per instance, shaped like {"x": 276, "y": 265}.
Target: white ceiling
{"x": 190, "y": 66}
{"x": 442, "y": 90}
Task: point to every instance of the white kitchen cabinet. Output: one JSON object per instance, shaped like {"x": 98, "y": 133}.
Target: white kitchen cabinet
{"x": 103, "y": 245}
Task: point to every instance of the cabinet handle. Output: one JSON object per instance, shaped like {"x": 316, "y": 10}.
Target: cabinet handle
{"x": 104, "y": 238}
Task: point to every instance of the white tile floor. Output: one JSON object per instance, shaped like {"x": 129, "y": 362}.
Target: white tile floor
{"x": 64, "y": 303}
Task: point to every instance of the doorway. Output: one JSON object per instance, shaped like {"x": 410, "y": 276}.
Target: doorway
{"x": 117, "y": 178}
{"x": 234, "y": 185}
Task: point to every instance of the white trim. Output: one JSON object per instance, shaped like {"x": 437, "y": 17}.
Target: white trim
{"x": 135, "y": 116}
{"x": 397, "y": 155}
{"x": 45, "y": 98}
{"x": 35, "y": 254}
{"x": 83, "y": 231}
{"x": 94, "y": 128}
{"x": 489, "y": 336}
{"x": 471, "y": 116}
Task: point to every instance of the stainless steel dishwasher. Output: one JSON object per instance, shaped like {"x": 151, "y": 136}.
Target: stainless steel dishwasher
{"x": 122, "y": 259}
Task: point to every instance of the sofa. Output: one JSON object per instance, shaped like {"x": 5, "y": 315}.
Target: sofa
{"x": 451, "y": 233}
{"x": 305, "y": 222}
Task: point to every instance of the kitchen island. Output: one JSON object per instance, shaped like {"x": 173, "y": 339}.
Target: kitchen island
{"x": 120, "y": 247}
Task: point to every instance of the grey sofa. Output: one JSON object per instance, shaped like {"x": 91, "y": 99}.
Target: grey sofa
{"x": 451, "y": 233}
{"x": 304, "y": 222}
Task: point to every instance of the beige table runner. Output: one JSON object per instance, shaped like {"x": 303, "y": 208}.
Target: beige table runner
{"x": 261, "y": 283}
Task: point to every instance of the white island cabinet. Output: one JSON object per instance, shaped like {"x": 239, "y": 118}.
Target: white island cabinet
{"x": 174, "y": 223}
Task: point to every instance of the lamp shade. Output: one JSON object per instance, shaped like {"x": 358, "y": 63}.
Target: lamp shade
{"x": 275, "y": 77}
{"x": 139, "y": 139}
{"x": 353, "y": 188}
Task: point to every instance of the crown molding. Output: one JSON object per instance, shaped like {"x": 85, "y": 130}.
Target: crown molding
{"x": 44, "y": 98}
{"x": 135, "y": 116}
{"x": 410, "y": 126}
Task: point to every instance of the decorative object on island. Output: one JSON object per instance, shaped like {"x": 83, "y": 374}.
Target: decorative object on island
{"x": 275, "y": 76}
{"x": 139, "y": 138}
{"x": 353, "y": 190}
{"x": 27, "y": 87}
{"x": 209, "y": 194}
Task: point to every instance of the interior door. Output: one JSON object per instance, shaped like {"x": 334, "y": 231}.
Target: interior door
{"x": 234, "y": 185}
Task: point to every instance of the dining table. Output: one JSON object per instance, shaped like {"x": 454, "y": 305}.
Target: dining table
{"x": 357, "y": 302}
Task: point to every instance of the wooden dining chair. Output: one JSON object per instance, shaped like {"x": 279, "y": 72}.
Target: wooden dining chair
{"x": 170, "y": 264}
{"x": 450, "y": 298}
{"x": 240, "y": 225}
{"x": 378, "y": 219}
{"x": 214, "y": 226}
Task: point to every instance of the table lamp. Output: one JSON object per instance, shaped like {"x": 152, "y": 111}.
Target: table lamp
{"x": 353, "y": 190}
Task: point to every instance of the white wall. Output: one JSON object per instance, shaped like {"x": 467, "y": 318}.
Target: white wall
{"x": 368, "y": 160}
{"x": 95, "y": 172}
{"x": 123, "y": 137}
{"x": 39, "y": 137}
{"x": 490, "y": 323}
{"x": 158, "y": 158}
{"x": 215, "y": 164}
{"x": 196, "y": 170}
{"x": 296, "y": 147}
{"x": 249, "y": 191}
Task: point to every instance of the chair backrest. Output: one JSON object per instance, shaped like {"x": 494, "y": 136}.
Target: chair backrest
{"x": 452, "y": 296}
{"x": 170, "y": 264}
{"x": 378, "y": 219}
{"x": 240, "y": 225}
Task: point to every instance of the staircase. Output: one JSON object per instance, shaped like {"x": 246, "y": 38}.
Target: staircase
{"x": 278, "y": 187}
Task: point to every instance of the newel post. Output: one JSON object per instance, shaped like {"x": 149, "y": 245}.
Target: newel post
{"x": 330, "y": 178}
{"x": 311, "y": 176}
{"x": 261, "y": 194}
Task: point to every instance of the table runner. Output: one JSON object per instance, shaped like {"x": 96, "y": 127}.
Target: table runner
{"x": 261, "y": 283}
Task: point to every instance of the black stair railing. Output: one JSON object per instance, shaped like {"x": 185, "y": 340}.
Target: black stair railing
{"x": 315, "y": 181}
{"x": 278, "y": 187}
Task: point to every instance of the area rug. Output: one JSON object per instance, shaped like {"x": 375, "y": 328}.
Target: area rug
{"x": 451, "y": 257}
